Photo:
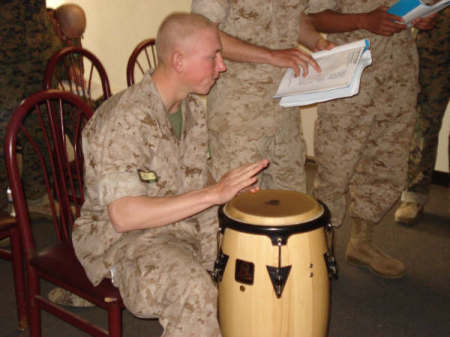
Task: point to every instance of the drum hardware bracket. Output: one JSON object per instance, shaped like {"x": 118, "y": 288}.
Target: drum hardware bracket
{"x": 329, "y": 256}
{"x": 330, "y": 261}
{"x": 279, "y": 275}
{"x": 219, "y": 266}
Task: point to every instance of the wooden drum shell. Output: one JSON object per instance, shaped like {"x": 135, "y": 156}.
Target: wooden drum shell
{"x": 254, "y": 310}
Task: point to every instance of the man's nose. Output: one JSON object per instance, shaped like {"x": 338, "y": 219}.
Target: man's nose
{"x": 220, "y": 65}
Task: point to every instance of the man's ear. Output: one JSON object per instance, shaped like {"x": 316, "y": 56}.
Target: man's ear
{"x": 178, "y": 61}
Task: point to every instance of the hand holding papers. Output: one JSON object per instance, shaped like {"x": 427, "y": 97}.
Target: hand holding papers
{"x": 410, "y": 10}
{"x": 341, "y": 67}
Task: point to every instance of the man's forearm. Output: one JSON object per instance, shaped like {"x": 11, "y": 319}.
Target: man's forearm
{"x": 141, "y": 212}
{"x": 332, "y": 22}
{"x": 241, "y": 51}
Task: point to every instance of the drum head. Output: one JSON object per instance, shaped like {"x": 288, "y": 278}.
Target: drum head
{"x": 273, "y": 208}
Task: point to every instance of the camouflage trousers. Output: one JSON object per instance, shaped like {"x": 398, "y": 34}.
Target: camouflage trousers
{"x": 166, "y": 276}
{"x": 361, "y": 152}
{"x": 12, "y": 93}
{"x": 434, "y": 53}
{"x": 285, "y": 149}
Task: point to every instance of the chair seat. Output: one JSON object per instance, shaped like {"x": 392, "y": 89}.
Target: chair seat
{"x": 60, "y": 265}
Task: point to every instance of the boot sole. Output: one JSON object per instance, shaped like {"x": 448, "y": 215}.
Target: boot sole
{"x": 357, "y": 263}
{"x": 407, "y": 222}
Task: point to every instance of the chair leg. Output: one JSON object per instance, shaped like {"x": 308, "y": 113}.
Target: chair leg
{"x": 19, "y": 279}
{"x": 115, "y": 320}
{"x": 33, "y": 305}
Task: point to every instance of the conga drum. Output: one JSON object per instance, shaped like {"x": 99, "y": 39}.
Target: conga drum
{"x": 272, "y": 266}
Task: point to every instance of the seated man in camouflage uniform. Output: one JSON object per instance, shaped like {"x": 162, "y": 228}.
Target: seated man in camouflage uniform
{"x": 149, "y": 220}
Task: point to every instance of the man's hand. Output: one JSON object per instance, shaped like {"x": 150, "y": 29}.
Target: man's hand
{"x": 425, "y": 23}
{"x": 382, "y": 23}
{"x": 237, "y": 180}
{"x": 323, "y": 44}
{"x": 293, "y": 58}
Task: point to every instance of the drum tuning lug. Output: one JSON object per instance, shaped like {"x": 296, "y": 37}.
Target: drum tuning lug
{"x": 330, "y": 261}
{"x": 219, "y": 266}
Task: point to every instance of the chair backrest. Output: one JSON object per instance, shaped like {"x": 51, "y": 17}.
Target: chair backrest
{"x": 79, "y": 71}
{"x": 42, "y": 124}
{"x": 142, "y": 59}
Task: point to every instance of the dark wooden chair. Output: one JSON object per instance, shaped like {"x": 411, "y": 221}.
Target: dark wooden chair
{"x": 142, "y": 59}
{"x": 79, "y": 71}
{"x": 56, "y": 112}
{"x": 9, "y": 229}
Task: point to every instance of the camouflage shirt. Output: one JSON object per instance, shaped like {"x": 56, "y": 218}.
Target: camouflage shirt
{"x": 130, "y": 149}
{"x": 242, "y": 99}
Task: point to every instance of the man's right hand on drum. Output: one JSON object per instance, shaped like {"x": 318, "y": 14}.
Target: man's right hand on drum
{"x": 140, "y": 212}
{"x": 237, "y": 180}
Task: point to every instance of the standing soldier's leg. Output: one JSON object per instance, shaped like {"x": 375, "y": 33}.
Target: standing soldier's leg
{"x": 380, "y": 178}
{"x": 434, "y": 51}
{"x": 340, "y": 135}
{"x": 230, "y": 149}
{"x": 287, "y": 152}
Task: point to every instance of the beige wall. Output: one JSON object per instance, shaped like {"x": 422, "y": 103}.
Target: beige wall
{"x": 115, "y": 27}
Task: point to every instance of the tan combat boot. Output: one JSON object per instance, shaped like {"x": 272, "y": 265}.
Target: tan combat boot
{"x": 408, "y": 212}
{"x": 361, "y": 252}
{"x": 64, "y": 297}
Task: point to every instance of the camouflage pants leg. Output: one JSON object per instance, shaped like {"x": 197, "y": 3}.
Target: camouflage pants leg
{"x": 23, "y": 85}
{"x": 380, "y": 176}
{"x": 285, "y": 149}
{"x": 10, "y": 97}
{"x": 164, "y": 277}
{"x": 434, "y": 53}
{"x": 207, "y": 236}
{"x": 362, "y": 152}
{"x": 338, "y": 142}
{"x": 422, "y": 156}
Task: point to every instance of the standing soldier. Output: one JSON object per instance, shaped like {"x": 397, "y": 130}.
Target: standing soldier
{"x": 362, "y": 142}
{"x": 434, "y": 56}
{"x": 27, "y": 42}
{"x": 245, "y": 122}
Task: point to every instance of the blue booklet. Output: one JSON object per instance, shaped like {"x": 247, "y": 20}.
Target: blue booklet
{"x": 410, "y": 10}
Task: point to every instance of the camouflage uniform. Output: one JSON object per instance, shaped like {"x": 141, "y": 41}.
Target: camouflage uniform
{"x": 27, "y": 41}
{"x": 434, "y": 55}
{"x": 245, "y": 122}
{"x": 362, "y": 142}
{"x": 130, "y": 150}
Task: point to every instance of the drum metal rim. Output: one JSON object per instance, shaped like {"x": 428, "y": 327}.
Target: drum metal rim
{"x": 278, "y": 234}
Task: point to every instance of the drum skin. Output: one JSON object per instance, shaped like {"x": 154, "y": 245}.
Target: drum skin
{"x": 255, "y": 310}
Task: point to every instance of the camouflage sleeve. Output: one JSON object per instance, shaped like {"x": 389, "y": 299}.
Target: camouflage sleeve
{"x": 130, "y": 147}
{"x": 316, "y": 6}
{"x": 215, "y": 10}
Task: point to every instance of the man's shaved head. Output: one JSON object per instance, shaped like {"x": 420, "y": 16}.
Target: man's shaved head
{"x": 177, "y": 31}
{"x": 71, "y": 19}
